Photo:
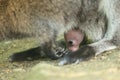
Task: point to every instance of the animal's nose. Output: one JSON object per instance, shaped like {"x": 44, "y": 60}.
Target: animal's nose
{"x": 70, "y": 42}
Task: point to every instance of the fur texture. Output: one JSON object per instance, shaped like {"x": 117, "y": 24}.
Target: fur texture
{"x": 49, "y": 19}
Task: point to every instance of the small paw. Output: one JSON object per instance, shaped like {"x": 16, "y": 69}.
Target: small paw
{"x": 60, "y": 52}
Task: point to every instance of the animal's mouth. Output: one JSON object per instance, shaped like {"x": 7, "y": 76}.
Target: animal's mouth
{"x": 73, "y": 49}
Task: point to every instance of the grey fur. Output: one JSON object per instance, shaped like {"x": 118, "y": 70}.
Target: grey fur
{"x": 49, "y": 19}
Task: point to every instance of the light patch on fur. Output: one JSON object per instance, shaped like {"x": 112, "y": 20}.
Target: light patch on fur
{"x": 106, "y": 49}
{"x": 102, "y": 46}
{"x": 108, "y": 7}
{"x": 63, "y": 62}
{"x": 70, "y": 25}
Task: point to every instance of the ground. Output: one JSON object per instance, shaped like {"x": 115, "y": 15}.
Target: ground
{"x": 102, "y": 67}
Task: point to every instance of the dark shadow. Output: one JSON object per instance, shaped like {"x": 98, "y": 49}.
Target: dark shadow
{"x": 28, "y": 55}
